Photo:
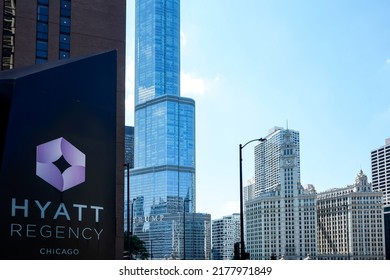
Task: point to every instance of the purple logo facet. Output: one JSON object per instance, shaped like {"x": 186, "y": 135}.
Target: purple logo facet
{"x": 50, "y": 152}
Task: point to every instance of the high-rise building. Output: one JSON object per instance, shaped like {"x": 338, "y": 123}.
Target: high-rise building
{"x": 225, "y": 233}
{"x": 380, "y": 167}
{"x": 280, "y": 221}
{"x": 163, "y": 178}
{"x": 248, "y": 194}
{"x": 36, "y": 31}
{"x": 129, "y": 145}
{"x": 350, "y": 222}
{"x": 281, "y": 148}
{"x": 249, "y": 190}
{"x": 197, "y": 236}
{"x": 387, "y": 230}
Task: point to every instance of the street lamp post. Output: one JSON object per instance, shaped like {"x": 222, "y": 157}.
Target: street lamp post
{"x": 242, "y": 249}
{"x": 127, "y": 165}
{"x": 132, "y": 227}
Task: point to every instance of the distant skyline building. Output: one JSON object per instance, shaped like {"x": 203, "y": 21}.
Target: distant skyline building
{"x": 280, "y": 221}
{"x": 249, "y": 190}
{"x": 225, "y": 233}
{"x": 351, "y": 222}
{"x": 129, "y": 158}
{"x": 39, "y": 31}
{"x": 268, "y": 159}
{"x": 380, "y": 169}
{"x": 197, "y": 236}
{"x": 129, "y": 145}
{"x": 163, "y": 178}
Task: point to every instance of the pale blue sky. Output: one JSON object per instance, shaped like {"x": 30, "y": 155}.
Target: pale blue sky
{"x": 323, "y": 66}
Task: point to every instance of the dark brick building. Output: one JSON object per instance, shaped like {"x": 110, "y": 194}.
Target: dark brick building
{"x": 36, "y": 31}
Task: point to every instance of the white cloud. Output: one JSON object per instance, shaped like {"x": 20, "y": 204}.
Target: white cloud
{"x": 129, "y": 110}
{"x": 190, "y": 85}
{"x": 129, "y": 91}
{"x": 129, "y": 74}
{"x": 183, "y": 39}
{"x": 232, "y": 207}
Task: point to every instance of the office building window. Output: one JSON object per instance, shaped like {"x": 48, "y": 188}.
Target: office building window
{"x": 41, "y": 51}
{"x": 65, "y": 14}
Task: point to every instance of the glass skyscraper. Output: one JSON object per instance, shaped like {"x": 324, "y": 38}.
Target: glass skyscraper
{"x": 163, "y": 179}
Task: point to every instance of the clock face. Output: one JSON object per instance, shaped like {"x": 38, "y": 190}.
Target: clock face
{"x": 289, "y": 161}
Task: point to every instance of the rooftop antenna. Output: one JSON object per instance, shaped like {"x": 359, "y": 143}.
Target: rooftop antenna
{"x": 287, "y": 124}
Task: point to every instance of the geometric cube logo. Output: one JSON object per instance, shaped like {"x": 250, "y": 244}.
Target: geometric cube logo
{"x": 48, "y": 159}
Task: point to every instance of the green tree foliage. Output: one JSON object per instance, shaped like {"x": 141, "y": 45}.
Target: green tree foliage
{"x": 138, "y": 248}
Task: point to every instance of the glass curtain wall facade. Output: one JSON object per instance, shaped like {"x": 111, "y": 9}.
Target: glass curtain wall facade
{"x": 163, "y": 178}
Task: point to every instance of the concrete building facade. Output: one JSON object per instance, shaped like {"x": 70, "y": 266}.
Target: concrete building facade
{"x": 281, "y": 219}
{"x": 380, "y": 168}
{"x": 350, "y": 222}
{"x": 268, "y": 158}
{"x": 225, "y": 233}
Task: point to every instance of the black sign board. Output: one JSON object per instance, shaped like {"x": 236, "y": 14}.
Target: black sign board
{"x": 57, "y": 159}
